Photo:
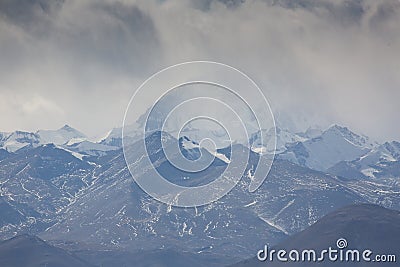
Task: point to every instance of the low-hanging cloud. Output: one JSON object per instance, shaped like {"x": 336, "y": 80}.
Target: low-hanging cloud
{"x": 318, "y": 62}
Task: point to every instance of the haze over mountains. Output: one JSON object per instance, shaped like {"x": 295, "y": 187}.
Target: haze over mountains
{"x": 76, "y": 193}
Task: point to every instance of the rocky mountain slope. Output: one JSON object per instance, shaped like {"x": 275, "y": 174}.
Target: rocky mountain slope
{"x": 362, "y": 226}
{"x": 84, "y": 194}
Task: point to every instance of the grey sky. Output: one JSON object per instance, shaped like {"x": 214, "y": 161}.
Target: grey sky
{"x": 318, "y": 62}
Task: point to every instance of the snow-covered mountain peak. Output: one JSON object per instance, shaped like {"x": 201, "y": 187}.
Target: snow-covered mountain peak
{"x": 336, "y": 131}
{"x": 334, "y": 145}
{"x": 60, "y": 136}
{"x": 284, "y": 138}
{"x": 19, "y": 139}
{"x": 66, "y": 127}
{"x": 339, "y": 130}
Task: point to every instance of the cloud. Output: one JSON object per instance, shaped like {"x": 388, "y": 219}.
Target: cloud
{"x": 318, "y": 62}
{"x": 83, "y": 57}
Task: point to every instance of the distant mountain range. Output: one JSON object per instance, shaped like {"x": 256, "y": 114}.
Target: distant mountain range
{"x": 336, "y": 150}
{"x": 75, "y": 192}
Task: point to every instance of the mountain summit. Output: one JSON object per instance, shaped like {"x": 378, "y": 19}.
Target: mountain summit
{"x": 60, "y": 136}
{"x": 334, "y": 145}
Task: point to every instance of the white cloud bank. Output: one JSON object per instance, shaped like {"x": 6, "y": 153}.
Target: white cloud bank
{"x": 318, "y": 62}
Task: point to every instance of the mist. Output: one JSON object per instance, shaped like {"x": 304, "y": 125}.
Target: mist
{"x": 318, "y": 63}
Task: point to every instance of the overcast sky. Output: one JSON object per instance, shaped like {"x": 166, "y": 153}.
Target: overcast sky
{"x": 318, "y": 62}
